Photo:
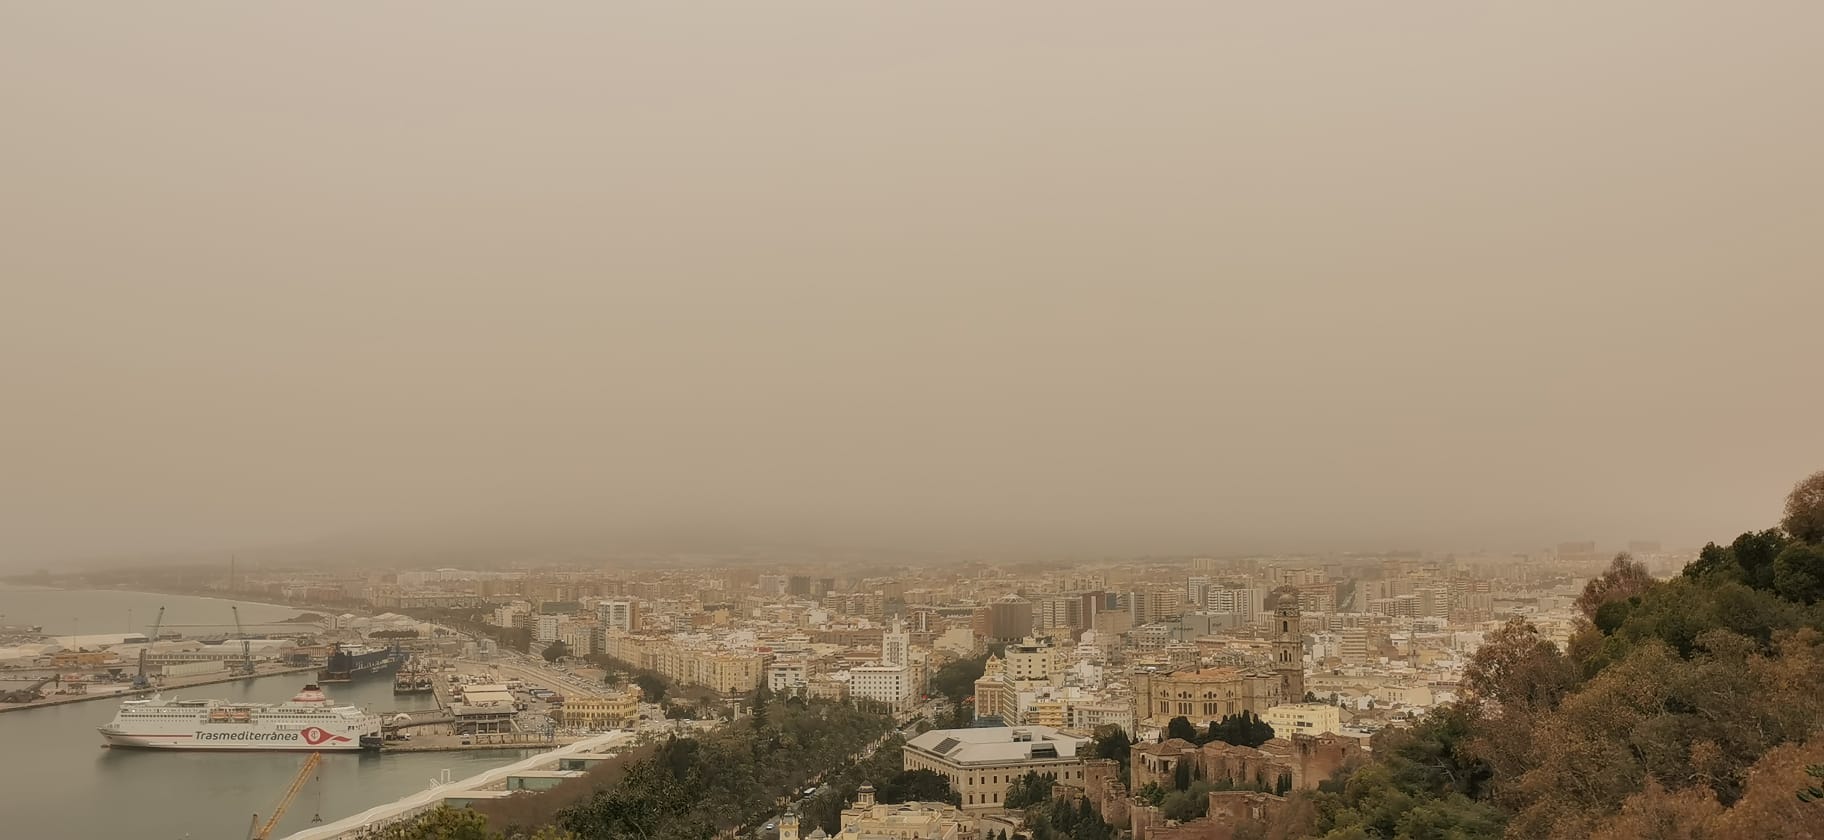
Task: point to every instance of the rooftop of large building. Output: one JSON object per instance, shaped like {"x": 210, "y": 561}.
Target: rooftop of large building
{"x": 1212, "y": 675}
{"x": 997, "y": 744}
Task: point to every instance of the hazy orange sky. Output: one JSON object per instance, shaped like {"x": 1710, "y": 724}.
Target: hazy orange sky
{"x": 1000, "y": 277}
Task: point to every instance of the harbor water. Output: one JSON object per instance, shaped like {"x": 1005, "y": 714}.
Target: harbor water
{"x": 56, "y": 780}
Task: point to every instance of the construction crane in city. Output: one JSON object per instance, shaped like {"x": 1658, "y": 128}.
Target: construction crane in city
{"x": 142, "y": 679}
{"x": 256, "y": 831}
{"x": 246, "y": 666}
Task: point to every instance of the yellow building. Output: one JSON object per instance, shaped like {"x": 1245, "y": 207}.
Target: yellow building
{"x": 616, "y": 711}
{"x": 1033, "y": 659}
{"x": 1032, "y": 666}
{"x": 1054, "y": 712}
{"x": 824, "y": 688}
{"x": 727, "y": 672}
{"x": 1303, "y": 719}
{"x": 868, "y": 820}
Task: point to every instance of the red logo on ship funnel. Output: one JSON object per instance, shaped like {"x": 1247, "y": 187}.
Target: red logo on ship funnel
{"x": 314, "y": 736}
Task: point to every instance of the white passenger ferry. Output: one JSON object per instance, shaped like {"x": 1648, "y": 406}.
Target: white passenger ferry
{"x": 305, "y": 722}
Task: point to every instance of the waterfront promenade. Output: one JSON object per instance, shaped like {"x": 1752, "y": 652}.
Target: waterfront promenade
{"x": 486, "y": 784}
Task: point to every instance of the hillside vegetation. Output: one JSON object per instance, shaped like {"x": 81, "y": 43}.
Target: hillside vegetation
{"x": 698, "y": 787}
{"x": 1685, "y": 709}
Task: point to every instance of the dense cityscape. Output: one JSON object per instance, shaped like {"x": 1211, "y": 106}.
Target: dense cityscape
{"x": 1195, "y": 698}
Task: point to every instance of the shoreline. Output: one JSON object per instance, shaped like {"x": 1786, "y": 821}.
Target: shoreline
{"x": 231, "y": 597}
{"x": 60, "y": 700}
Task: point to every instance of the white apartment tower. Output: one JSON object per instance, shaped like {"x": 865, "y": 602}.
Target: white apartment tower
{"x": 620, "y": 615}
{"x": 547, "y": 628}
{"x": 894, "y": 645}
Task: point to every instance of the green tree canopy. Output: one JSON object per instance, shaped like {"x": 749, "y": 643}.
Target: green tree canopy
{"x": 652, "y": 687}
{"x": 446, "y": 823}
{"x": 1027, "y": 790}
{"x": 956, "y": 680}
{"x": 916, "y": 786}
{"x": 718, "y": 781}
{"x": 1798, "y": 573}
{"x": 1243, "y": 729}
{"x": 1804, "y": 519}
{"x": 1624, "y": 579}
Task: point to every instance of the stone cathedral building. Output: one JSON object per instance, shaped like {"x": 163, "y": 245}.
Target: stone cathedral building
{"x": 1208, "y": 694}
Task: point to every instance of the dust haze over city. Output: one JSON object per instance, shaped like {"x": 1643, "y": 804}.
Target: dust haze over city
{"x": 1013, "y": 279}
{"x": 967, "y": 421}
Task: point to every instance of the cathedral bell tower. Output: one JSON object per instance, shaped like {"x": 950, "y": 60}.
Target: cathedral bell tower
{"x": 1288, "y": 645}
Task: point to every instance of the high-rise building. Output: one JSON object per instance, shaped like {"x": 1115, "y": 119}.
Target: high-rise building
{"x": 1354, "y": 641}
{"x": 1154, "y": 605}
{"x": 621, "y": 614}
{"x": 546, "y": 628}
{"x": 1433, "y": 601}
{"x": 578, "y": 638}
{"x": 1196, "y": 590}
{"x": 1246, "y": 602}
{"x": 1010, "y": 618}
{"x": 894, "y": 680}
{"x": 1064, "y": 613}
{"x": 1317, "y": 597}
{"x": 895, "y": 645}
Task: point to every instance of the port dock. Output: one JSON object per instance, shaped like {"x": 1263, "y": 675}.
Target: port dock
{"x": 123, "y": 691}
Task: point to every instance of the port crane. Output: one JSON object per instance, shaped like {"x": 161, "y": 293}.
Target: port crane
{"x": 141, "y": 679}
{"x": 256, "y": 831}
{"x": 245, "y": 668}
{"x": 31, "y": 693}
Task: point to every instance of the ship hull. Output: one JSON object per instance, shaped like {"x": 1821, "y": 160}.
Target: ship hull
{"x": 189, "y": 742}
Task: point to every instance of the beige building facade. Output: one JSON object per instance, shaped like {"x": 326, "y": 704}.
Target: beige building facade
{"x": 982, "y": 762}
{"x": 1303, "y": 719}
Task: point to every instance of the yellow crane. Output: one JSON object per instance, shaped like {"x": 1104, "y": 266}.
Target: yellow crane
{"x": 291, "y": 794}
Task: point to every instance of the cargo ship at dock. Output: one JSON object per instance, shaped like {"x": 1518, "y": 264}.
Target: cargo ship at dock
{"x": 308, "y": 721}
{"x": 346, "y": 663}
